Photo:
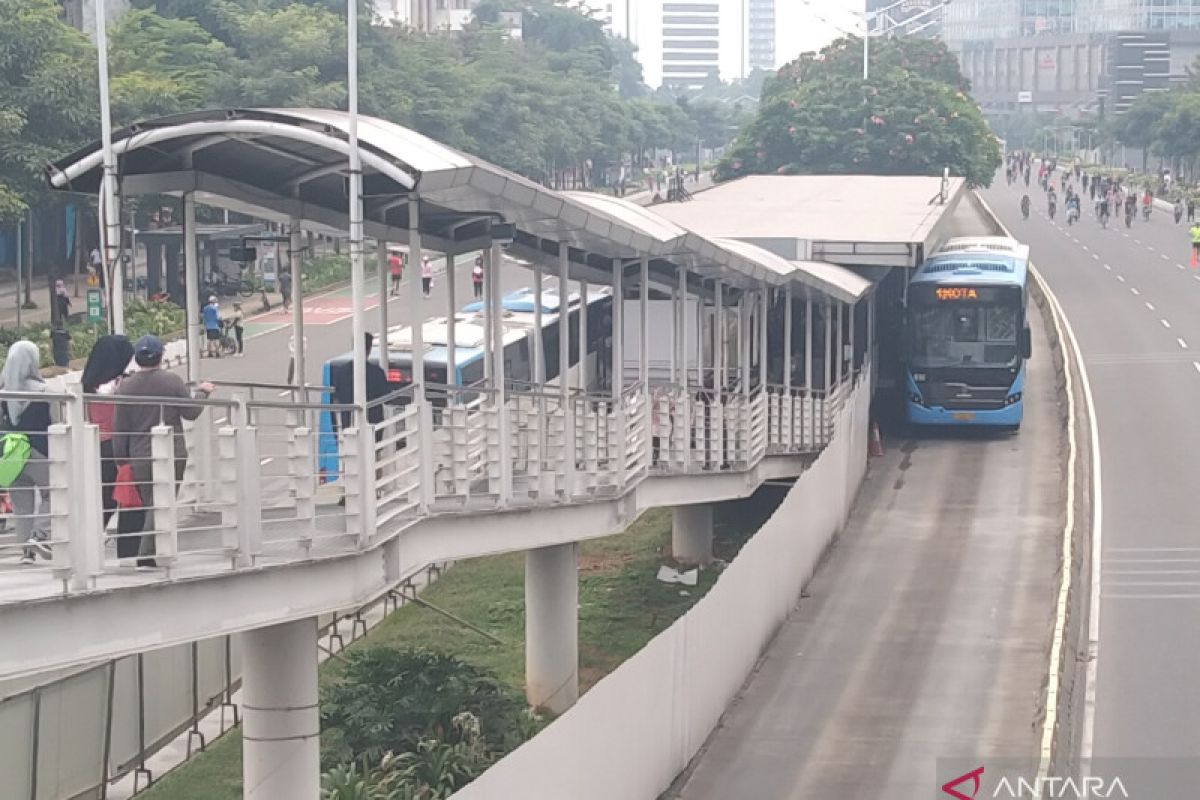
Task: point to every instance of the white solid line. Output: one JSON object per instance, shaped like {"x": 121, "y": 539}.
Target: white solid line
{"x": 1122, "y": 561}
{"x": 1149, "y": 305}
{"x": 1165, "y": 324}
{"x": 1152, "y": 596}
{"x": 1182, "y": 343}
{"x": 1050, "y": 720}
{"x": 1135, "y": 291}
{"x": 1155, "y": 549}
{"x": 1152, "y": 572}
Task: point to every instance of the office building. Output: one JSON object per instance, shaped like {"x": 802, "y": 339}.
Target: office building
{"x": 1071, "y": 56}
{"x": 761, "y": 34}
{"x": 909, "y": 18}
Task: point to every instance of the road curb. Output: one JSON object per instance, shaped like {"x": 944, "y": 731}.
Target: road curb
{"x": 1081, "y": 526}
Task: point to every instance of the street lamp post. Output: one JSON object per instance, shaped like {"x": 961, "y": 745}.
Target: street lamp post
{"x": 889, "y": 25}
{"x": 110, "y": 212}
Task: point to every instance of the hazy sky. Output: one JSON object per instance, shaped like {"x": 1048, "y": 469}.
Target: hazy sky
{"x": 798, "y": 26}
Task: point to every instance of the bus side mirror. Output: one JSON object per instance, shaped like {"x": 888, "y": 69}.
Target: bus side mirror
{"x": 1025, "y": 341}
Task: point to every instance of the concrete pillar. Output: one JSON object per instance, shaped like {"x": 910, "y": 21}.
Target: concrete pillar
{"x": 381, "y": 263}
{"x": 191, "y": 268}
{"x": 552, "y": 627}
{"x": 296, "y": 263}
{"x": 692, "y": 533}
{"x": 281, "y": 757}
{"x": 617, "y": 372}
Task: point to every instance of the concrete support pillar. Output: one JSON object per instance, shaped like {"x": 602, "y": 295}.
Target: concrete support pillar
{"x": 552, "y": 627}
{"x": 692, "y": 533}
{"x": 281, "y": 758}
{"x": 617, "y": 372}
{"x": 191, "y": 269}
{"x": 296, "y": 264}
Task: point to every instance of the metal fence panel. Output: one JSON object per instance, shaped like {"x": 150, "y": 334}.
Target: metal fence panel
{"x": 167, "y": 692}
{"x": 16, "y": 745}
{"x": 72, "y": 734}
{"x": 126, "y": 741}
{"x": 210, "y": 673}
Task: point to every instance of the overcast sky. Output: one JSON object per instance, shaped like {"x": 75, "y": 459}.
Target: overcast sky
{"x": 798, "y": 26}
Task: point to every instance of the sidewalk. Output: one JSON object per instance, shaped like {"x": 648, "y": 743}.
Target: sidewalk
{"x": 40, "y": 294}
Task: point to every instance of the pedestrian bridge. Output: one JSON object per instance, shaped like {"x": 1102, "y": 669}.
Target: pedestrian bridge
{"x": 719, "y": 366}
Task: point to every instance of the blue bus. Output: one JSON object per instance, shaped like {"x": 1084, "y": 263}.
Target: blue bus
{"x": 967, "y": 335}
{"x": 516, "y": 326}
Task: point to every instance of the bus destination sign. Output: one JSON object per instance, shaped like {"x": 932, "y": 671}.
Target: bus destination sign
{"x": 956, "y": 293}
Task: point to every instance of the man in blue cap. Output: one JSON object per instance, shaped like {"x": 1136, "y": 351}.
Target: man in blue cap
{"x": 132, "y": 423}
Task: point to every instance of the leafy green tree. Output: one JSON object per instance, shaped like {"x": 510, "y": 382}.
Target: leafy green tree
{"x": 819, "y": 117}
{"x": 1136, "y": 127}
{"x": 48, "y": 100}
{"x": 1177, "y": 133}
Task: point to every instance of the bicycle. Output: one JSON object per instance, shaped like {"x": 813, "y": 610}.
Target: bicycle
{"x": 227, "y": 344}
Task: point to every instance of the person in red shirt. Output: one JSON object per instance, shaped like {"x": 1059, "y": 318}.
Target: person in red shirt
{"x": 396, "y": 265}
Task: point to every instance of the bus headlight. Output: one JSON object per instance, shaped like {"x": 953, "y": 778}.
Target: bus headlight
{"x": 1012, "y": 399}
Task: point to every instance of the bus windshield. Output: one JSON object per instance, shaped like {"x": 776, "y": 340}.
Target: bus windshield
{"x": 947, "y": 335}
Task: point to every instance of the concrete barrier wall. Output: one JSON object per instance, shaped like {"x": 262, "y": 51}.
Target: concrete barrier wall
{"x": 636, "y": 730}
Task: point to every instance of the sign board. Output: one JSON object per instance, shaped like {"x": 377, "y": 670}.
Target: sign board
{"x": 95, "y": 305}
{"x": 1047, "y": 61}
{"x": 1024, "y": 97}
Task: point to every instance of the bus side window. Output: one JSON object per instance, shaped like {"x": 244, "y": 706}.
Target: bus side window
{"x": 550, "y": 346}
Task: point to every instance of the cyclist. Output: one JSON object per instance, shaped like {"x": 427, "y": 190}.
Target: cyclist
{"x": 1130, "y": 203}
{"x": 1195, "y": 231}
{"x": 1025, "y": 206}
{"x": 1052, "y": 202}
{"x": 1147, "y": 204}
{"x": 1072, "y": 209}
{"x": 1102, "y": 213}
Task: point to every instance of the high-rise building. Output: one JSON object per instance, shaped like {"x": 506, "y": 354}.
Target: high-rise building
{"x": 910, "y": 17}
{"x": 683, "y": 43}
{"x": 761, "y": 34}
{"x": 1069, "y": 56}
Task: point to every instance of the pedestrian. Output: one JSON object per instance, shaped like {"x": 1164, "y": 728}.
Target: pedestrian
{"x": 285, "y": 289}
{"x": 477, "y": 276}
{"x": 396, "y": 265}
{"x": 1178, "y": 211}
{"x": 95, "y": 261}
{"x": 1195, "y": 232}
{"x": 132, "y": 423}
{"x": 106, "y": 365}
{"x": 426, "y": 275}
{"x": 1191, "y": 209}
{"x": 239, "y": 328}
{"x": 62, "y": 302}
{"x": 211, "y": 314}
{"x": 24, "y": 450}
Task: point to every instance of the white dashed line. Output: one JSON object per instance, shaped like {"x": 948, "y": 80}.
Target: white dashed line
{"x": 1182, "y": 343}
{"x": 1095, "y": 257}
{"x": 1163, "y": 256}
{"x": 1149, "y": 305}
{"x": 265, "y": 461}
{"x": 1196, "y": 364}
{"x": 1135, "y": 291}
{"x": 1109, "y": 267}
{"x": 1085, "y": 247}
{"x": 1121, "y": 278}
{"x": 1165, "y": 324}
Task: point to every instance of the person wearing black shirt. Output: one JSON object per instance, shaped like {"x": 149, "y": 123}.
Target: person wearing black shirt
{"x": 343, "y": 388}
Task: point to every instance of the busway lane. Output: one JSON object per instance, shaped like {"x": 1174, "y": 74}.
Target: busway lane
{"x": 1146, "y": 386}
{"x": 926, "y": 631}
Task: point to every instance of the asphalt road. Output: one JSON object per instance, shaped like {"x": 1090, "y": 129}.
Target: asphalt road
{"x": 1132, "y": 298}
{"x": 926, "y": 632}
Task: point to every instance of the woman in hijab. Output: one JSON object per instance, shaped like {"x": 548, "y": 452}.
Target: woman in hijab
{"x": 20, "y": 374}
{"x": 106, "y": 365}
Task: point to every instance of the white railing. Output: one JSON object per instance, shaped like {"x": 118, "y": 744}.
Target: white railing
{"x": 252, "y": 493}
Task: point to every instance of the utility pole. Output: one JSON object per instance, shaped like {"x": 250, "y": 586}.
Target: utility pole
{"x": 110, "y": 212}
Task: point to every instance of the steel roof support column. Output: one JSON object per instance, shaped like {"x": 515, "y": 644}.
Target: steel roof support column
{"x": 552, "y": 627}
{"x": 583, "y": 334}
{"x": 451, "y": 333}
{"x": 564, "y": 367}
{"x": 381, "y": 258}
{"x": 281, "y": 755}
{"x": 424, "y": 419}
{"x": 853, "y": 350}
{"x": 744, "y": 311}
{"x": 617, "y": 332}
{"x": 296, "y": 262}
{"x": 810, "y": 330}
{"x": 718, "y": 340}
{"x": 828, "y": 314}
{"x": 644, "y": 326}
{"x": 763, "y": 338}
{"x": 191, "y": 288}
{"x": 500, "y": 396}
{"x": 491, "y": 285}
{"x": 839, "y": 361}
{"x": 786, "y": 376}
{"x": 683, "y": 420}
{"x": 538, "y": 372}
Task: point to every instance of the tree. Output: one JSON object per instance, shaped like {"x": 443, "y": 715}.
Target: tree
{"x": 48, "y": 100}
{"x": 912, "y": 118}
{"x": 1177, "y": 133}
{"x": 1136, "y": 127}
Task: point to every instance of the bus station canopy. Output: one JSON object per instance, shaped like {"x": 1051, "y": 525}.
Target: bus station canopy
{"x": 282, "y": 164}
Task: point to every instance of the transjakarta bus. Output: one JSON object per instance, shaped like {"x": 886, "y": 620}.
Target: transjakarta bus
{"x": 967, "y": 336}
{"x": 516, "y": 328}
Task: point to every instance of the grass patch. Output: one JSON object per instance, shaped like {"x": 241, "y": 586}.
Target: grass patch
{"x": 622, "y": 606}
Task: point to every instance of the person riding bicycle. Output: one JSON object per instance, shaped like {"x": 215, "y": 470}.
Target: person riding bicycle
{"x": 1052, "y": 202}
{"x": 1073, "y": 207}
{"x": 1025, "y": 206}
{"x": 1130, "y": 204}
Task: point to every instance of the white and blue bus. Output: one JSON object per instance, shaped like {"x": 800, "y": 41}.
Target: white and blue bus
{"x": 967, "y": 334}
{"x": 516, "y": 327}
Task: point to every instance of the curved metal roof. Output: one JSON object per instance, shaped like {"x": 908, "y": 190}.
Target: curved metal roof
{"x": 281, "y": 163}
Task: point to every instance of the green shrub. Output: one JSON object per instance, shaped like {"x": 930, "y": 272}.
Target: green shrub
{"x": 390, "y": 699}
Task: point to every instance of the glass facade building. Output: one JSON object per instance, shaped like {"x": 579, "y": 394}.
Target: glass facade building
{"x": 975, "y": 20}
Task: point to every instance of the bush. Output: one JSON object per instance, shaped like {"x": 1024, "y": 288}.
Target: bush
{"x": 390, "y": 699}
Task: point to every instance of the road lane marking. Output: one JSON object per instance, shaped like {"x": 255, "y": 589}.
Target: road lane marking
{"x": 1165, "y": 324}
{"x": 1164, "y": 257}
{"x": 1108, "y": 596}
{"x": 1135, "y": 291}
{"x": 265, "y": 461}
{"x": 1152, "y": 572}
{"x": 1095, "y": 257}
{"x": 1121, "y": 278}
{"x": 1196, "y": 364}
{"x": 1182, "y": 343}
{"x": 1109, "y": 267}
{"x": 1149, "y": 305}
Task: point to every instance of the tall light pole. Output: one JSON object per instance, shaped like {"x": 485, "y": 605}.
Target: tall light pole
{"x": 356, "y": 217}
{"x": 110, "y": 212}
{"x": 889, "y": 25}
